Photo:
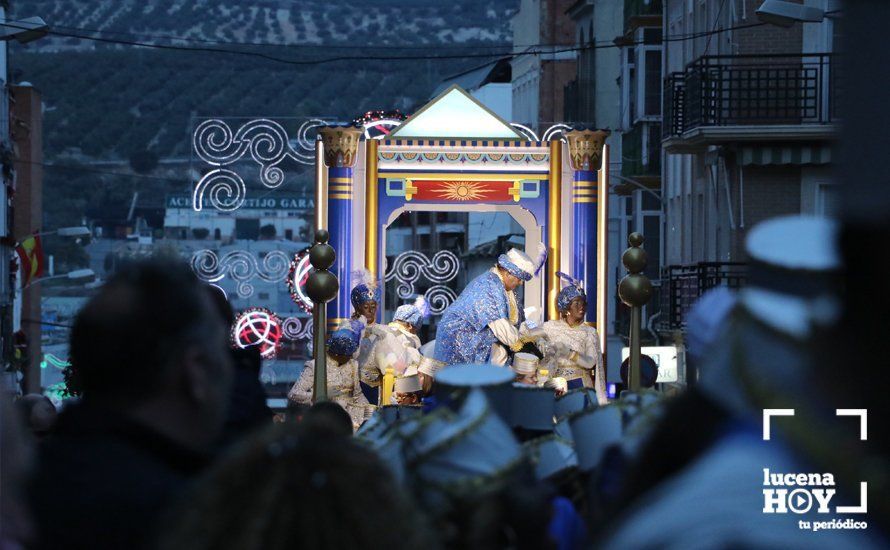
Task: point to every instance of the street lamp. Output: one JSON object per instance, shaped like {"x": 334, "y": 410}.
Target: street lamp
{"x": 786, "y": 14}
{"x": 639, "y": 185}
{"x": 79, "y": 231}
{"x": 24, "y": 30}
{"x": 75, "y": 275}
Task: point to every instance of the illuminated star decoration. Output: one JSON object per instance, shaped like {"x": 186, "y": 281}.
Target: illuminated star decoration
{"x": 257, "y": 326}
{"x": 296, "y": 280}
{"x": 461, "y": 191}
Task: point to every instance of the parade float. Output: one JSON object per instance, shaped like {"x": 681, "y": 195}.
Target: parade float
{"x": 456, "y": 155}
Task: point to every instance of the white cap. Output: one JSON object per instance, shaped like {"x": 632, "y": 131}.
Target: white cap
{"x": 409, "y": 382}
{"x": 525, "y": 363}
{"x": 429, "y": 366}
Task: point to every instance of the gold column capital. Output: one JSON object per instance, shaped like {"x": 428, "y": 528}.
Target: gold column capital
{"x": 586, "y": 148}
{"x": 340, "y": 145}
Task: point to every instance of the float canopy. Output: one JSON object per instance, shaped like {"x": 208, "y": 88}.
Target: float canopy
{"x": 455, "y": 114}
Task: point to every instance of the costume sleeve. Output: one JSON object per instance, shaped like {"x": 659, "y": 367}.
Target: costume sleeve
{"x": 370, "y": 369}
{"x": 358, "y": 396}
{"x": 498, "y": 355}
{"x": 488, "y": 301}
{"x": 599, "y": 379}
{"x": 504, "y": 332}
{"x": 412, "y": 356}
{"x": 301, "y": 392}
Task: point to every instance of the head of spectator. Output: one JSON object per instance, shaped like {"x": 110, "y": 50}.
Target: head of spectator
{"x": 152, "y": 344}
{"x": 15, "y": 457}
{"x": 37, "y": 413}
{"x": 291, "y": 487}
{"x": 327, "y": 418}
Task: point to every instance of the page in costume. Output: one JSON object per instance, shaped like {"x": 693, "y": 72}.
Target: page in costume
{"x": 463, "y": 335}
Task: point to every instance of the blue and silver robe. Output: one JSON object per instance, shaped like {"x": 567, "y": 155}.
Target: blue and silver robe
{"x": 463, "y": 335}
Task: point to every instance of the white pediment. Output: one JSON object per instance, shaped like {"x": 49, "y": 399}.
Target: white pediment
{"x": 455, "y": 114}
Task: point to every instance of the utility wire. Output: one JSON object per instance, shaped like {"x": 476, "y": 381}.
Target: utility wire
{"x": 714, "y": 27}
{"x": 77, "y": 168}
{"x": 304, "y": 62}
{"x": 361, "y": 47}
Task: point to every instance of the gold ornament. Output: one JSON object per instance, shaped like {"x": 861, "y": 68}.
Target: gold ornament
{"x": 340, "y": 145}
{"x": 586, "y": 148}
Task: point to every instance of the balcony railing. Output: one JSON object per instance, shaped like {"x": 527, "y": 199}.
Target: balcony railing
{"x": 682, "y": 285}
{"x": 775, "y": 89}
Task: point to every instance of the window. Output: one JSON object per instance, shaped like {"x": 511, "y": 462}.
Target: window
{"x": 646, "y": 93}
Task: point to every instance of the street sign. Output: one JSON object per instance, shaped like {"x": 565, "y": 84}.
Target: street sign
{"x": 664, "y": 356}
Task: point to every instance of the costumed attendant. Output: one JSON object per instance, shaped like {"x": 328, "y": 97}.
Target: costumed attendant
{"x": 407, "y": 390}
{"x": 481, "y": 325}
{"x": 342, "y": 375}
{"x": 395, "y": 345}
{"x": 575, "y": 344}
{"x": 365, "y": 298}
{"x": 407, "y": 322}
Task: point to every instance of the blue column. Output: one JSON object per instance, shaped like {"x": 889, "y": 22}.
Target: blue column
{"x": 584, "y": 213}
{"x": 340, "y": 200}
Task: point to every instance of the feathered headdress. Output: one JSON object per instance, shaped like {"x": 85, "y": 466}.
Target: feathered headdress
{"x": 574, "y": 289}
{"x": 422, "y": 306}
{"x": 519, "y": 264}
{"x": 541, "y": 259}
{"x": 363, "y": 277}
{"x": 365, "y": 288}
{"x": 569, "y": 279}
{"x": 415, "y": 313}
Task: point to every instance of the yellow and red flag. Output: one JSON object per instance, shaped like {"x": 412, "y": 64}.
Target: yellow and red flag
{"x": 31, "y": 255}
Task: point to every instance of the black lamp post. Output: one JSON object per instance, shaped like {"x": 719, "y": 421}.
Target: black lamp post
{"x": 321, "y": 287}
{"x": 635, "y": 291}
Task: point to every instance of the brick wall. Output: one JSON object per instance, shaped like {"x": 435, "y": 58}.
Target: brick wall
{"x": 766, "y": 39}
{"x": 26, "y": 127}
{"x": 769, "y": 191}
{"x": 558, "y": 29}
{"x": 555, "y": 75}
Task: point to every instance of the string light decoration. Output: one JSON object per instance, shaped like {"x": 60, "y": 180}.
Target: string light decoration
{"x": 257, "y": 326}
{"x": 296, "y": 280}
{"x": 378, "y": 124}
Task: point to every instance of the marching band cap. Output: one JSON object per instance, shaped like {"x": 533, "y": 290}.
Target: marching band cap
{"x": 494, "y": 381}
{"x": 550, "y": 455}
{"x": 458, "y": 453}
{"x": 793, "y": 273}
{"x": 532, "y": 407}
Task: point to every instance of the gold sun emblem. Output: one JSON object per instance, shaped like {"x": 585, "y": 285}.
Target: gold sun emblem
{"x": 461, "y": 191}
